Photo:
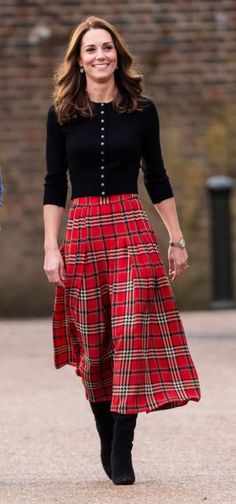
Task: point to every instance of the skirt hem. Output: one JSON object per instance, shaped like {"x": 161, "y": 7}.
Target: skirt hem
{"x": 162, "y": 405}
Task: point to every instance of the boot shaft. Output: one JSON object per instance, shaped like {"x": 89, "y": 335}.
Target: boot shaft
{"x": 123, "y": 430}
{"x": 121, "y": 458}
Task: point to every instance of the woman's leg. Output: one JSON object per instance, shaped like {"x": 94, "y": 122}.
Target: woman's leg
{"x": 121, "y": 459}
{"x": 116, "y": 432}
{"x": 104, "y": 424}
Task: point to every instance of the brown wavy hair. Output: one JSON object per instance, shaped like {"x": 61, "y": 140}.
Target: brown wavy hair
{"x": 69, "y": 95}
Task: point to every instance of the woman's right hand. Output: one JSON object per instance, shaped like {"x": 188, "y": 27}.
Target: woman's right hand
{"x": 54, "y": 267}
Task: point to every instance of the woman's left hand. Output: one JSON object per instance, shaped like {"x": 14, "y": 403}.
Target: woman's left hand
{"x": 178, "y": 262}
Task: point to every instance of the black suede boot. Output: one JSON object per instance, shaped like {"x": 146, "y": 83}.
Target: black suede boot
{"x": 121, "y": 459}
{"x": 104, "y": 425}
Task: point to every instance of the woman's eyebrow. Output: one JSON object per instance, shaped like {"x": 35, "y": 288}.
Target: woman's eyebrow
{"x": 94, "y": 45}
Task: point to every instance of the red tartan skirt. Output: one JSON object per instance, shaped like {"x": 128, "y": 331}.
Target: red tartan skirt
{"x": 116, "y": 321}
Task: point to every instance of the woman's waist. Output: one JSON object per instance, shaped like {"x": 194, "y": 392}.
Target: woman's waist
{"x": 101, "y": 199}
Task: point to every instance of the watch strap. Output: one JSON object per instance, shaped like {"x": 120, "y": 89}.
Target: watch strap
{"x": 179, "y": 244}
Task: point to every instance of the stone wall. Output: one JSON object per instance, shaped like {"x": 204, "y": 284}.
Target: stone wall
{"x": 186, "y": 51}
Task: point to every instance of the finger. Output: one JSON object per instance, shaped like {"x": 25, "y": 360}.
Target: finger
{"x": 60, "y": 284}
{"x": 171, "y": 266}
{"x": 62, "y": 271}
{"x": 61, "y": 281}
{"x": 177, "y": 269}
{"x": 173, "y": 278}
{"x": 49, "y": 273}
{"x": 55, "y": 277}
{"x": 177, "y": 272}
{"x": 180, "y": 271}
{"x": 49, "y": 276}
{"x": 173, "y": 273}
{"x": 59, "y": 277}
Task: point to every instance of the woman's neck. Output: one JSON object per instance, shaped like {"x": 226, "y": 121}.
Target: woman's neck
{"x": 101, "y": 92}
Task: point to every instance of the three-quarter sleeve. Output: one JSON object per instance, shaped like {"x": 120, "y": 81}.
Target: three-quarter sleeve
{"x": 156, "y": 179}
{"x": 55, "y": 186}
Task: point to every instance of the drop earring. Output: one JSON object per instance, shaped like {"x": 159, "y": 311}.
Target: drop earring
{"x": 81, "y": 70}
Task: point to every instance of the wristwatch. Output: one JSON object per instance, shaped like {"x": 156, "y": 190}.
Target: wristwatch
{"x": 181, "y": 244}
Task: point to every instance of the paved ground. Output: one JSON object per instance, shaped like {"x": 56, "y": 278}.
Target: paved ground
{"x": 48, "y": 442}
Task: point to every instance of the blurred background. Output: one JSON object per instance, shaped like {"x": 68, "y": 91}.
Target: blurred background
{"x": 186, "y": 51}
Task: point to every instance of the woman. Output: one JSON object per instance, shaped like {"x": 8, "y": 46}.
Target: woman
{"x": 115, "y": 317}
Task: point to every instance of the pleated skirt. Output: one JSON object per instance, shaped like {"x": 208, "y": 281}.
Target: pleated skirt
{"x": 116, "y": 320}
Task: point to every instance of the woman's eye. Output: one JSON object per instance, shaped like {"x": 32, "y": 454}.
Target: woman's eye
{"x": 91, "y": 49}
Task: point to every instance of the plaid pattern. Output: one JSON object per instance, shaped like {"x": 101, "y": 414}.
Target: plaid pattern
{"x": 117, "y": 320}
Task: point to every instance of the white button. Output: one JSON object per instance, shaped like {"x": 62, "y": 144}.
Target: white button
{"x": 102, "y": 143}
{"x": 102, "y": 136}
{"x": 102, "y": 151}
{"x": 103, "y": 192}
{"x": 102, "y": 175}
{"x": 102, "y": 183}
{"x": 102, "y": 129}
{"x": 102, "y": 167}
{"x": 102, "y": 104}
{"x": 102, "y": 120}
{"x": 102, "y": 111}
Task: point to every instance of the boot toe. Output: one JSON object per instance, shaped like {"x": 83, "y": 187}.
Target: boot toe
{"x": 124, "y": 479}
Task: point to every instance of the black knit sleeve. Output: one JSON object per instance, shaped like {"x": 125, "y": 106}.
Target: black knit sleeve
{"x": 156, "y": 180}
{"x": 55, "y": 186}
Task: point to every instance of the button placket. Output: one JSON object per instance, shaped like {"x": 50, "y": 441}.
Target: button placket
{"x": 102, "y": 143}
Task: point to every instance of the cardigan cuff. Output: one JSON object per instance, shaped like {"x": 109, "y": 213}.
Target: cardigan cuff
{"x": 159, "y": 192}
{"x": 52, "y": 197}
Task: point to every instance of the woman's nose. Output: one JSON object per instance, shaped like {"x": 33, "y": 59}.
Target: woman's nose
{"x": 100, "y": 54}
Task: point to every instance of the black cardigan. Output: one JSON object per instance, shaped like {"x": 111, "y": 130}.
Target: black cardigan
{"x": 103, "y": 154}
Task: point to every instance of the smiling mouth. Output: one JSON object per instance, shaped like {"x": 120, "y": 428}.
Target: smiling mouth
{"x": 101, "y": 65}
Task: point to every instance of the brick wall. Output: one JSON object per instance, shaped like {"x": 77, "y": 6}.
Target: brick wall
{"x": 186, "y": 51}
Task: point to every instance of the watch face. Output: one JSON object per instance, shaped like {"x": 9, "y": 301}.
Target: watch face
{"x": 182, "y": 243}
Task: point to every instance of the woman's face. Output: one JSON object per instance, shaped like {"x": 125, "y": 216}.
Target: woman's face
{"x": 98, "y": 55}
